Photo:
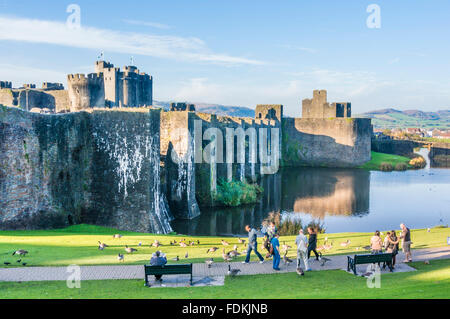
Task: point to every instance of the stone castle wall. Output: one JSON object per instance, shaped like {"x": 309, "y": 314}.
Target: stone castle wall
{"x": 100, "y": 167}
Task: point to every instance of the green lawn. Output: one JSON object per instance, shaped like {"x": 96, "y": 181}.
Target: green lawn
{"x": 78, "y": 245}
{"x": 429, "y": 281}
{"x": 378, "y": 158}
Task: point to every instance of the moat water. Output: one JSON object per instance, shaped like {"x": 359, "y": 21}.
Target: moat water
{"x": 342, "y": 200}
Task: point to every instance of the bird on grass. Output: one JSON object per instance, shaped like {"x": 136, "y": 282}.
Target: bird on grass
{"x": 120, "y": 257}
{"x": 225, "y": 256}
{"x": 19, "y": 260}
{"x": 212, "y": 250}
{"x": 232, "y": 272}
{"x": 346, "y": 243}
{"x": 241, "y": 241}
{"x": 285, "y": 247}
{"x": 176, "y": 258}
{"x": 428, "y": 230}
{"x": 20, "y": 252}
{"x": 117, "y": 236}
{"x": 209, "y": 262}
{"x": 299, "y": 271}
{"x": 426, "y": 262}
{"x": 156, "y": 243}
{"x": 7, "y": 263}
{"x": 130, "y": 250}
{"x": 24, "y": 264}
{"x": 140, "y": 244}
{"x": 323, "y": 260}
{"x": 102, "y": 246}
{"x": 198, "y": 242}
{"x": 233, "y": 253}
{"x": 187, "y": 255}
{"x": 182, "y": 244}
{"x": 225, "y": 243}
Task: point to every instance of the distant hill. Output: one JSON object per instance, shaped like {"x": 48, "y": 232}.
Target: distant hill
{"x": 392, "y": 118}
{"x": 217, "y": 109}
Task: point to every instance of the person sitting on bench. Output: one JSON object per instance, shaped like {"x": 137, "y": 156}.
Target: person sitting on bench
{"x": 158, "y": 259}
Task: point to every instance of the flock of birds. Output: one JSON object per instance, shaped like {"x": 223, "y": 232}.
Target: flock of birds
{"x": 21, "y": 253}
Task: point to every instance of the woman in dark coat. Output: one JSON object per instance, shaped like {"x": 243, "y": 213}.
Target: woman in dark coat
{"x": 312, "y": 243}
{"x": 393, "y": 246}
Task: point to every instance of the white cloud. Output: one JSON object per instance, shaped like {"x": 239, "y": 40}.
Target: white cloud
{"x": 170, "y": 47}
{"x": 16, "y": 74}
{"x": 148, "y": 24}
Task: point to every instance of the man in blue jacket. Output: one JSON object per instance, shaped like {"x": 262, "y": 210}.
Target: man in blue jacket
{"x": 158, "y": 259}
{"x": 276, "y": 252}
{"x": 252, "y": 244}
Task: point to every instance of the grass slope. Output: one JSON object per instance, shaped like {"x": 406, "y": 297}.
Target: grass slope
{"x": 378, "y": 158}
{"x": 429, "y": 281}
{"x": 78, "y": 245}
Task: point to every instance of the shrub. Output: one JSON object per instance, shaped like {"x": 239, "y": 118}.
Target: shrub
{"x": 236, "y": 193}
{"x": 418, "y": 162}
{"x": 386, "y": 167}
{"x": 401, "y": 167}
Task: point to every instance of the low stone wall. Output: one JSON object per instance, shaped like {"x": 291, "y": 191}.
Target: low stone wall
{"x": 397, "y": 147}
{"x": 334, "y": 142}
{"x": 440, "y": 155}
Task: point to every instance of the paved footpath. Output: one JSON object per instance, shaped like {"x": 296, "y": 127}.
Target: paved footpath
{"x": 202, "y": 274}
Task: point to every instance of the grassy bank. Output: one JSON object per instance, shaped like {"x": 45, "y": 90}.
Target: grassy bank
{"x": 78, "y": 245}
{"x": 236, "y": 193}
{"x": 429, "y": 281}
{"x": 380, "y": 158}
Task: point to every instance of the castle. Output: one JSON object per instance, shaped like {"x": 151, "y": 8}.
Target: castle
{"x": 318, "y": 107}
{"x": 108, "y": 86}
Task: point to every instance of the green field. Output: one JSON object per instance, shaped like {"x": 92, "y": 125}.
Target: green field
{"x": 78, "y": 245}
{"x": 378, "y": 158}
{"x": 429, "y": 281}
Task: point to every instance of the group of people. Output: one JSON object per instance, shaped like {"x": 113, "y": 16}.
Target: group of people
{"x": 305, "y": 245}
{"x": 390, "y": 244}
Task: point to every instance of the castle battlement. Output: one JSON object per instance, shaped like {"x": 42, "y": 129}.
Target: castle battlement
{"x": 5, "y": 85}
{"x": 318, "y": 107}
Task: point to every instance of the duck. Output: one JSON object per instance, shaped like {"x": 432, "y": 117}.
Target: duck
{"x": 209, "y": 262}
{"x": 346, "y": 243}
{"x": 101, "y": 245}
{"x": 20, "y": 252}
{"x": 225, "y": 243}
{"x": 232, "y": 272}
{"x": 225, "y": 256}
{"x": 212, "y": 250}
{"x": 120, "y": 257}
{"x": 117, "y": 236}
{"x": 176, "y": 258}
{"x": 130, "y": 250}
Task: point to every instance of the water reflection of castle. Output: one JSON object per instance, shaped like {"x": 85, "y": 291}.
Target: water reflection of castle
{"x": 315, "y": 191}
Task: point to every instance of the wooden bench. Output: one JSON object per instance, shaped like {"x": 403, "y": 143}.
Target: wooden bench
{"x": 369, "y": 259}
{"x": 167, "y": 270}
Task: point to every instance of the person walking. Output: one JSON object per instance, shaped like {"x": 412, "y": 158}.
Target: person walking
{"x": 252, "y": 245}
{"x": 312, "y": 243}
{"x": 393, "y": 246}
{"x": 302, "y": 250}
{"x": 276, "y": 252}
{"x": 270, "y": 233}
{"x": 406, "y": 244}
{"x": 376, "y": 244}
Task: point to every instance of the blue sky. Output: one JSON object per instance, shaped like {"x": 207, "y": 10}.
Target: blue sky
{"x": 242, "y": 52}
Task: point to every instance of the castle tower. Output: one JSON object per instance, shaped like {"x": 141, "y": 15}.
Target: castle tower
{"x": 86, "y": 91}
{"x": 318, "y": 107}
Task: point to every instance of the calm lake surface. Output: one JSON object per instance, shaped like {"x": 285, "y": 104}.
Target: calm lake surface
{"x": 343, "y": 200}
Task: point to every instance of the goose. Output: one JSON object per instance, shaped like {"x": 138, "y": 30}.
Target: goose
{"x": 225, "y": 256}
{"x": 174, "y": 241}
{"x": 225, "y": 243}
{"x": 117, "y": 236}
{"x": 156, "y": 243}
{"x": 24, "y": 264}
{"x": 187, "y": 255}
{"x": 192, "y": 243}
{"x": 19, "y": 260}
{"x": 232, "y": 272}
{"x": 323, "y": 260}
{"x": 209, "y": 262}
{"x": 183, "y": 244}
{"x": 130, "y": 250}
{"x": 120, "y": 257}
{"x": 212, "y": 250}
{"x": 346, "y": 243}
{"x": 20, "y": 252}
{"x": 7, "y": 263}
{"x": 176, "y": 258}
{"x": 140, "y": 244}
{"x": 367, "y": 248}
{"x": 241, "y": 241}
{"x": 286, "y": 247}
{"x": 426, "y": 262}
{"x": 102, "y": 246}
{"x": 198, "y": 242}
{"x": 286, "y": 259}
{"x": 171, "y": 243}
{"x": 235, "y": 247}
{"x": 233, "y": 253}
